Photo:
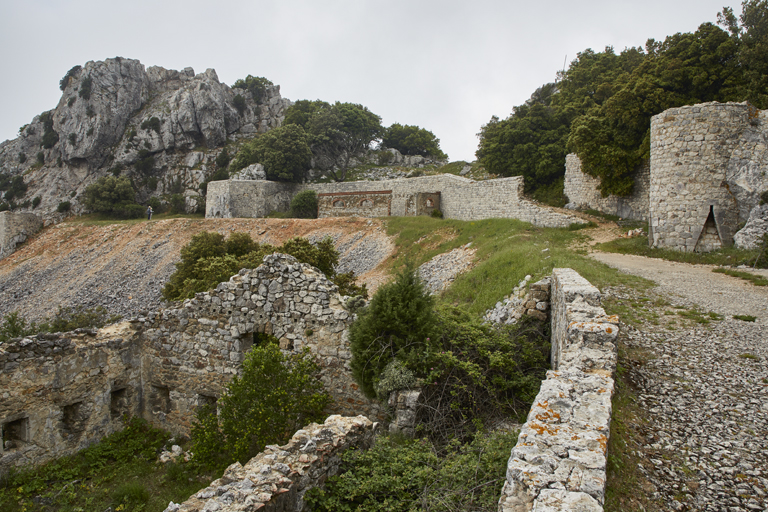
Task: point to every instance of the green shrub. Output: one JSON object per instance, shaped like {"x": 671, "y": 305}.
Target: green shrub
{"x": 40, "y": 158}
{"x": 80, "y": 317}
{"x": 405, "y": 475}
{"x": 86, "y": 85}
{"x": 89, "y": 132}
{"x": 64, "y": 206}
{"x": 436, "y": 213}
{"x": 89, "y": 111}
{"x": 222, "y": 162}
{"x": 14, "y": 187}
{"x": 130, "y": 495}
{"x": 72, "y": 139}
{"x": 70, "y": 74}
{"x": 152, "y": 182}
{"x": 50, "y": 137}
{"x": 145, "y": 164}
{"x": 177, "y": 203}
{"x": 764, "y": 198}
{"x": 397, "y": 323}
{"x": 412, "y": 140}
{"x": 16, "y": 326}
{"x": 71, "y": 101}
{"x": 152, "y": 123}
{"x": 239, "y": 103}
{"x": 284, "y": 152}
{"x": 36, "y": 201}
{"x": 394, "y": 378}
{"x": 22, "y": 158}
{"x": 114, "y": 197}
{"x": 304, "y": 205}
{"x": 257, "y": 85}
{"x": 274, "y": 395}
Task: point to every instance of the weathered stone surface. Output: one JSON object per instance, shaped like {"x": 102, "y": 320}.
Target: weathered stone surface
{"x": 583, "y": 191}
{"x": 278, "y": 477}
{"x": 460, "y": 198}
{"x": 15, "y": 228}
{"x": 252, "y": 172}
{"x": 708, "y": 169}
{"x": 751, "y": 235}
{"x": 404, "y": 403}
{"x": 559, "y": 461}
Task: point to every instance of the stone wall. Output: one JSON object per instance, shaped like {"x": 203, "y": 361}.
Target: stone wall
{"x": 583, "y": 191}
{"x": 277, "y": 478}
{"x": 61, "y": 392}
{"x": 559, "y": 461}
{"x": 709, "y": 164}
{"x": 15, "y": 228}
{"x": 460, "y": 198}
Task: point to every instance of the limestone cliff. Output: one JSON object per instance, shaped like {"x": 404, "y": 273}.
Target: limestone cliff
{"x": 163, "y": 128}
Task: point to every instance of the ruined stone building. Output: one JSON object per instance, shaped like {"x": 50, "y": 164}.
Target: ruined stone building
{"x": 708, "y": 167}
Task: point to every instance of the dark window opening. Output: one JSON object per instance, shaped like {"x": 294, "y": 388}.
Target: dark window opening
{"x": 160, "y": 399}
{"x": 118, "y": 403}
{"x": 15, "y": 433}
{"x": 207, "y": 400}
{"x": 73, "y": 418}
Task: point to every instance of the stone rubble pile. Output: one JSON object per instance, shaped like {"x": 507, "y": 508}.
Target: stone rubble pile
{"x": 533, "y": 302}
{"x": 438, "y": 273}
{"x": 278, "y": 477}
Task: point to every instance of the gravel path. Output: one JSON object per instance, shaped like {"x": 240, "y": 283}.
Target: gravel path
{"x": 702, "y": 389}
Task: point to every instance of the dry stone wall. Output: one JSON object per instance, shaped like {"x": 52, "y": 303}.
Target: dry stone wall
{"x": 277, "y": 478}
{"x": 460, "y": 198}
{"x": 15, "y": 228}
{"x": 61, "y": 392}
{"x": 559, "y": 461}
{"x": 709, "y": 164}
{"x": 583, "y": 191}
{"x": 354, "y": 204}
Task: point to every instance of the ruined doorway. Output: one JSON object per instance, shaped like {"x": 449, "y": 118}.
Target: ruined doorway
{"x": 709, "y": 239}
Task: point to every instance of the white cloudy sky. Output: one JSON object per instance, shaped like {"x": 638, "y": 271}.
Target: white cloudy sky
{"x": 445, "y": 65}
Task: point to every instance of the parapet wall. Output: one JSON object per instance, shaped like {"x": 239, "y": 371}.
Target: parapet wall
{"x": 709, "y": 164}
{"x": 15, "y": 228}
{"x": 559, "y": 461}
{"x": 460, "y": 198}
{"x": 583, "y": 191}
{"x": 277, "y": 478}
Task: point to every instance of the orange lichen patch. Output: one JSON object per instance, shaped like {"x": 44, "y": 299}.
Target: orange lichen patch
{"x": 608, "y": 330}
{"x": 614, "y": 319}
{"x": 542, "y": 428}
{"x": 603, "y": 442}
{"x": 548, "y": 415}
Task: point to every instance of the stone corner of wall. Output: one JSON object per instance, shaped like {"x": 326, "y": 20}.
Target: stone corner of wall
{"x": 559, "y": 461}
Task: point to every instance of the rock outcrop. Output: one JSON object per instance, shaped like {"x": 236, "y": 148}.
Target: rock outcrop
{"x": 751, "y": 235}
{"x": 162, "y": 128}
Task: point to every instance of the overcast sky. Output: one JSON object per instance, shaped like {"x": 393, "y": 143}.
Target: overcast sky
{"x": 444, "y": 65}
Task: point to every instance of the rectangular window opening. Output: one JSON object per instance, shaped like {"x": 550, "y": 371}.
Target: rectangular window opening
{"x": 15, "y": 433}
{"x": 160, "y": 399}
{"x": 118, "y": 403}
{"x": 73, "y": 418}
{"x": 209, "y": 400}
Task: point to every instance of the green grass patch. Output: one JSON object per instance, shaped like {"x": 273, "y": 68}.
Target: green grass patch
{"x": 749, "y": 356}
{"x": 507, "y": 250}
{"x": 745, "y": 318}
{"x": 700, "y": 317}
{"x": 605, "y": 216}
{"x": 639, "y": 246}
{"x": 747, "y": 276}
{"x": 120, "y": 472}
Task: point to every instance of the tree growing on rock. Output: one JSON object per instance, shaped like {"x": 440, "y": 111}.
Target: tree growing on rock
{"x": 284, "y": 152}
{"x": 412, "y": 140}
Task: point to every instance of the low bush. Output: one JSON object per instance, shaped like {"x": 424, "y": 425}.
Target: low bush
{"x": 63, "y": 206}
{"x": 36, "y": 201}
{"x": 256, "y": 85}
{"x": 239, "y": 102}
{"x": 407, "y": 475}
{"x": 86, "y": 86}
{"x": 50, "y": 137}
{"x": 274, "y": 395}
{"x": 304, "y": 205}
{"x": 79, "y": 317}
{"x": 74, "y": 70}
{"x": 152, "y": 123}
{"x": 113, "y": 196}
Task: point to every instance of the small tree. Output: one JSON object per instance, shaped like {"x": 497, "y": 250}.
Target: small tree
{"x": 412, "y": 140}
{"x": 275, "y": 395}
{"x": 283, "y": 151}
{"x": 256, "y": 85}
{"x": 113, "y": 196}
{"x": 396, "y": 324}
{"x": 304, "y": 205}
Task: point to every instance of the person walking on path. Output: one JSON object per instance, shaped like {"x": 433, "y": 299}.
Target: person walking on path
{"x": 149, "y": 213}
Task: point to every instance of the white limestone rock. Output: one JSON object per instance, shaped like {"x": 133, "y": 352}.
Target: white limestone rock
{"x": 750, "y": 236}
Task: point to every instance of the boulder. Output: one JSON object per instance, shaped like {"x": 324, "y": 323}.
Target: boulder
{"x": 750, "y": 236}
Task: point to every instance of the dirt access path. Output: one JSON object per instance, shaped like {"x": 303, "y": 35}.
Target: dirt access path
{"x": 698, "y": 417}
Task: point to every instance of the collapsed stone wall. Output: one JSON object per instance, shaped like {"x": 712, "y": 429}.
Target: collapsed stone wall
{"x": 62, "y": 392}
{"x": 376, "y": 203}
{"x": 583, "y": 191}
{"x": 460, "y": 198}
{"x": 559, "y": 461}
{"x": 278, "y": 477}
{"x": 15, "y": 228}
{"x": 709, "y": 164}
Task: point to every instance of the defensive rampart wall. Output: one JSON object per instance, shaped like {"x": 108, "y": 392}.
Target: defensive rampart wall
{"x": 460, "y": 198}
{"x": 583, "y": 191}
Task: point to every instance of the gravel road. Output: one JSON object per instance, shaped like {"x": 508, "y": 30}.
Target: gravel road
{"x": 702, "y": 389}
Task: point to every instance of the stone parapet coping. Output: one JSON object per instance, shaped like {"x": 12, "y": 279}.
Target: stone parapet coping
{"x": 559, "y": 461}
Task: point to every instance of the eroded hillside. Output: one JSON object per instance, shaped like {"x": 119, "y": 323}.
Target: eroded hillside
{"x": 123, "y": 266}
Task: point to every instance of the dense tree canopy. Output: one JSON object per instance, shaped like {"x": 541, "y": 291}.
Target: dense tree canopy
{"x": 256, "y": 85}
{"x": 303, "y": 110}
{"x": 602, "y": 104}
{"x": 284, "y": 152}
{"x": 412, "y": 140}
{"x": 113, "y": 196}
{"x": 339, "y": 133}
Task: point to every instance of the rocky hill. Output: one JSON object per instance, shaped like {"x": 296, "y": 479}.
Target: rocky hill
{"x": 123, "y": 266}
{"x": 161, "y": 127}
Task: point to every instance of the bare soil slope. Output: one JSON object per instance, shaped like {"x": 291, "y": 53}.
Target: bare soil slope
{"x": 124, "y": 266}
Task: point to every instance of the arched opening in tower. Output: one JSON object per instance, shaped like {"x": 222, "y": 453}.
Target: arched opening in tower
{"x": 709, "y": 239}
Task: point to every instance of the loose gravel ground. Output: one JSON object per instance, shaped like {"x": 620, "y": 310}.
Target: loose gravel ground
{"x": 702, "y": 389}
